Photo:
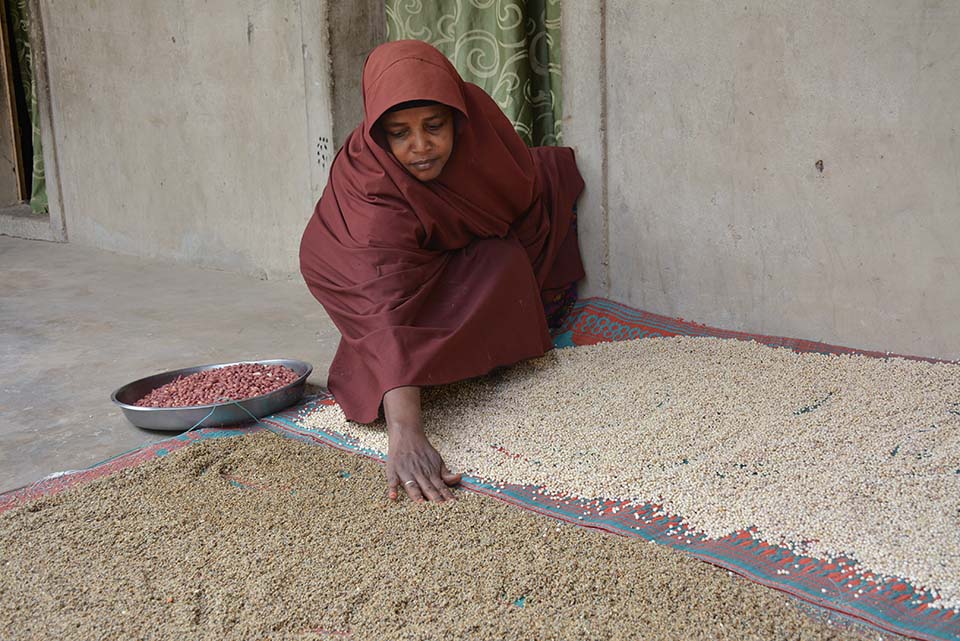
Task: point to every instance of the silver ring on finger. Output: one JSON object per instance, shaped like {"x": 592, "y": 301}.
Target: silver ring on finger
{"x": 409, "y": 482}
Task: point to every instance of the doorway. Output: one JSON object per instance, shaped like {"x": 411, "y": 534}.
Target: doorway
{"x": 25, "y": 210}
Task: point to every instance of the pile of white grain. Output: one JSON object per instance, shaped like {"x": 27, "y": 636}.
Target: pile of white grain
{"x": 859, "y": 455}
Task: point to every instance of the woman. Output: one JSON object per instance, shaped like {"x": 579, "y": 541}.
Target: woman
{"x": 435, "y": 243}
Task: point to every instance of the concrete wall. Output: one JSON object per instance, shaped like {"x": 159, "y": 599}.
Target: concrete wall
{"x": 197, "y": 131}
{"x": 202, "y": 132}
{"x": 356, "y": 28}
{"x": 706, "y": 122}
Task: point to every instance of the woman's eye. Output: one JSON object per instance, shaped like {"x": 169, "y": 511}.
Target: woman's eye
{"x": 396, "y": 134}
{"x": 434, "y": 128}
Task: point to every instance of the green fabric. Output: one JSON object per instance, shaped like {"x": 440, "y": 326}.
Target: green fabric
{"x": 511, "y": 48}
{"x": 20, "y": 20}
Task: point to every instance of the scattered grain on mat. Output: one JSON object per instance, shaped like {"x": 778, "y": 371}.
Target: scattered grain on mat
{"x": 261, "y": 537}
{"x": 854, "y": 455}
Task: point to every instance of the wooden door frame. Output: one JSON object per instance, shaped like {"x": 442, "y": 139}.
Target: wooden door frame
{"x": 41, "y": 85}
{"x": 9, "y": 54}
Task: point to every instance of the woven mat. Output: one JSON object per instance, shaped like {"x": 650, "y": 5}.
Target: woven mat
{"x": 888, "y": 603}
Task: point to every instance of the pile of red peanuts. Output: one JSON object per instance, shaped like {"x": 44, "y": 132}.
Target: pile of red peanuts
{"x": 231, "y": 383}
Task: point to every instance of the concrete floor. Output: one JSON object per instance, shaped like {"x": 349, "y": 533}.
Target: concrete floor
{"x": 77, "y": 323}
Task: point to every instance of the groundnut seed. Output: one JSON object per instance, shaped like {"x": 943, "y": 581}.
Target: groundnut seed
{"x": 230, "y": 383}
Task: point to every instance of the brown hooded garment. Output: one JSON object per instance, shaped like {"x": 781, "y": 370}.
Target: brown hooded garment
{"x": 434, "y": 282}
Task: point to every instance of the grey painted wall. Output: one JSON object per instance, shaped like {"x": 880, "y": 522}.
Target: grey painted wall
{"x": 706, "y": 121}
{"x": 356, "y": 27}
{"x": 191, "y": 130}
{"x": 202, "y": 132}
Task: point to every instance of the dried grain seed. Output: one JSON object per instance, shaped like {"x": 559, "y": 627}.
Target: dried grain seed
{"x": 731, "y": 413}
{"x": 268, "y": 564}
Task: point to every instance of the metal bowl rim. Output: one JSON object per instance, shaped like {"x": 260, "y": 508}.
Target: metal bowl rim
{"x": 201, "y": 368}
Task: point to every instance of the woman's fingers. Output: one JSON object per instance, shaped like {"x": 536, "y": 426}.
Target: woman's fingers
{"x": 423, "y": 477}
{"x": 442, "y": 488}
{"x": 413, "y": 490}
{"x": 392, "y": 484}
{"x": 428, "y": 489}
{"x": 449, "y": 477}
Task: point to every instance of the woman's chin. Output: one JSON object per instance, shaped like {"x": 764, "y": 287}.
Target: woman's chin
{"x": 427, "y": 175}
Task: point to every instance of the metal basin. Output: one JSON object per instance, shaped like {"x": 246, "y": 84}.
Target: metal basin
{"x": 227, "y": 413}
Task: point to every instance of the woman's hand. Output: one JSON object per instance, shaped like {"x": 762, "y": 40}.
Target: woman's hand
{"x": 412, "y": 462}
{"x": 414, "y": 465}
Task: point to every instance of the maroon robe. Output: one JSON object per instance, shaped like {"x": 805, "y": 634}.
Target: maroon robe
{"x": 434, "y": 282}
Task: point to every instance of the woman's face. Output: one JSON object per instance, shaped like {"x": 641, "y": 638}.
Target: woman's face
{"x": 421, "y": 138}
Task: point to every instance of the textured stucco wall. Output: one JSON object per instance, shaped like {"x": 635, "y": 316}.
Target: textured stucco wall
{"x": 190, "y": 130}
{"x": 356, "y": 27}
{"x": 715, "y": 116}
{"x": 584, "y": 129}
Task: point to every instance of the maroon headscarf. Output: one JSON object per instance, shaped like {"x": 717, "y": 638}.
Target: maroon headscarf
{"x": 433, "y": 282}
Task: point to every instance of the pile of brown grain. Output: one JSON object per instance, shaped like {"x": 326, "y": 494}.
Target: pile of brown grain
{"x": 266, "y": 538}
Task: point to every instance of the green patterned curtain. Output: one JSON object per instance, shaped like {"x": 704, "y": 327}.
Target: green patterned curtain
{"x": 511, "y": 48}
{"x": 20, "y": 21}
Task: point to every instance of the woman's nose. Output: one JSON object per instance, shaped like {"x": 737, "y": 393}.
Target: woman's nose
{"x": 421, "y": 142}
